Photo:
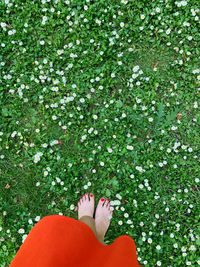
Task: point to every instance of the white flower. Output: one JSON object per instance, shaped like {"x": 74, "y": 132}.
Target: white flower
{"x": 30, "y": 221}
{"x": 136, "y": 68}
{"x": 193, "y": 247}
{"x": 37, "y": 218}
{"x": 24, "y": 237}
{"x": 183, "y": 3}
{"x": 58, "y": 179}
{"x": 172, "y": 235}
{"x": 72, "y": 207}
{"x": 134, "y": 76}
{"x": 21, "y": 231}
{"x": 168, "y": 31}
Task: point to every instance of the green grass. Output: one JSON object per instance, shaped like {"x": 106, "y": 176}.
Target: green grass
{"x": 174, "y": 185}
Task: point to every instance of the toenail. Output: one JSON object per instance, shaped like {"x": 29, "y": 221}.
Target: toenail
{"x": 102, "y": 199}
{"x": 91, "y": 195}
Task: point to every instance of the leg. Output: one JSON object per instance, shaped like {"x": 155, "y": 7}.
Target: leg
{"x": 91, "y": 223}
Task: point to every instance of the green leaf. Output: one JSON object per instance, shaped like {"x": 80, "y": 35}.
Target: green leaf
{"x": 5, "y": 111}
{"x": 119, "y": 104}
{"x": 136, "y": 119}
{"x": 172, "y": 115}
{"x": 108, "y": 193}
{"x": 114, "y": 182}
{"x": 160, "y": 113}
{"x": 198, "y": 242}
{"x": 34, "y": 120}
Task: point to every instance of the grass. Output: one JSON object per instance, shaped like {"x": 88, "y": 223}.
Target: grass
{"x": 153, "y": 186}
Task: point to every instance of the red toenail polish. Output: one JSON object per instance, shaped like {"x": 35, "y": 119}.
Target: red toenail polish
{"x": 91, "y": 195}
{"x": 102, "y": 199}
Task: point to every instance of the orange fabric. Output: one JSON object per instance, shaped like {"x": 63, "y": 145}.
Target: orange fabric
{"x": 61, "y": 241}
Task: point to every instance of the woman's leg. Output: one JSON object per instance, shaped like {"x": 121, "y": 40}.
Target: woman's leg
{"x": 91, "y": 223}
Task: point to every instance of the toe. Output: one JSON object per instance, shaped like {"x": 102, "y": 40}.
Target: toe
{"x": 106, "y": 203}
{"x": 78, "y": 205}
{"x": 91, "y": 197}
{"x": 82, "y": 199}
{"x": 86, "y": 196}
{"x": 101, "y": 202}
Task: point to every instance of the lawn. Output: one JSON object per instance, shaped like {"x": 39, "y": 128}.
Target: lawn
{"x": 102, "y": 97}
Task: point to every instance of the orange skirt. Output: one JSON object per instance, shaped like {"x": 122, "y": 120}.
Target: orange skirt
{"x": 61, "y": 241}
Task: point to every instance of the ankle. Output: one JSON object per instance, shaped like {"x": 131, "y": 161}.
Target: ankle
{"x": 100, "y": 237}
{"x": 101, "y": 240}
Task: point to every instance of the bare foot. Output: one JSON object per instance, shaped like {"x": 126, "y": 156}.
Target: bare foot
{"x": 103, "y": 216}
{"x": 86, "y": 206}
